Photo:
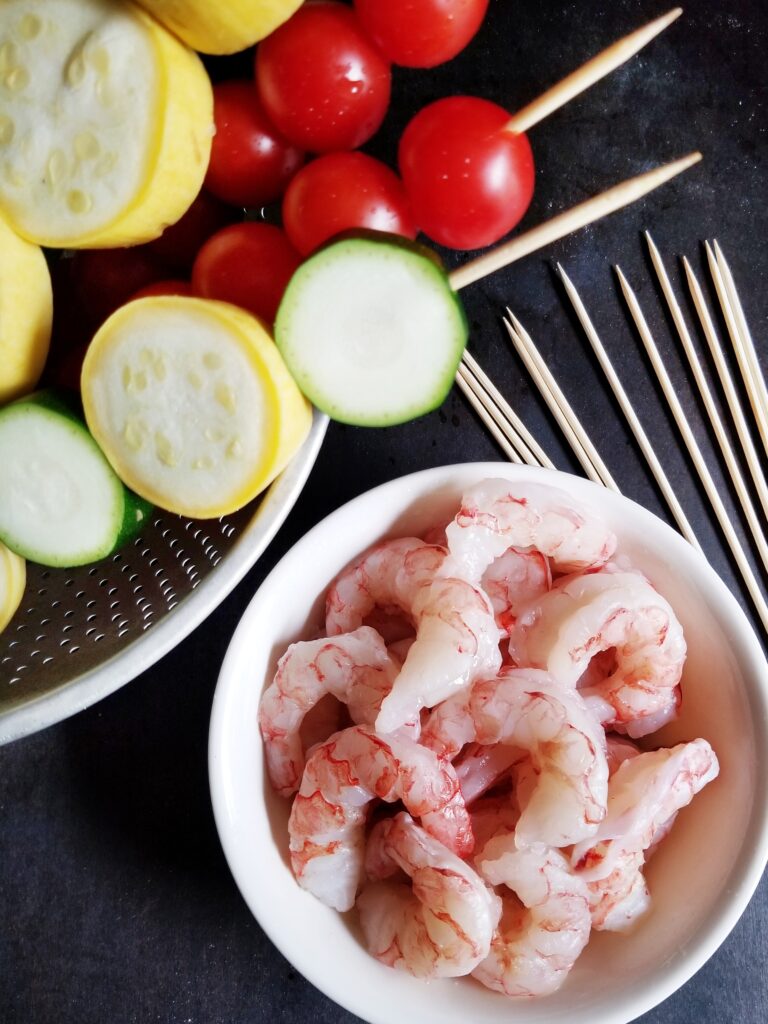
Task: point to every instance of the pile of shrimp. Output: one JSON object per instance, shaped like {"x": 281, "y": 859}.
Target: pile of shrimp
{"x": 460, "y": 744}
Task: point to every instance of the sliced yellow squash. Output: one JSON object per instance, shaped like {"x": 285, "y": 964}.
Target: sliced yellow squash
{"x": 191, "y": 403}
{"x": 106, "y": 121}
{"x": 26, "y": 309}
{"x": 13, "y": 579}
{"x": 221, "y": 26}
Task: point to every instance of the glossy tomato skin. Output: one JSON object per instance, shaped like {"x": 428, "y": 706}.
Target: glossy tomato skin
{"x": 248, "y": 265}
{"x": 178, "y": 244}
{"x": 343, "y": 191}
{"x": 322, "y": 82}
{"x": 251, "y": 163}
{"x": 469, "y": 182}
{"x": 421, "y": 33}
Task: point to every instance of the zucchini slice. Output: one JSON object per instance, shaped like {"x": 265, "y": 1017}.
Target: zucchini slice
{"x": 13, "y": 579}
{"x": 106, "y": 121}
{"x": 61, "y": 504}
{"x": 191, "y": 403}
{"x": 372, "y": 331}
{"x": 26, "y": 310}
{"x": 221, "y": 27}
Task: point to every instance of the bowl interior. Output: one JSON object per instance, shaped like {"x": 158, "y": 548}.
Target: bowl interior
{"x": 703, "y": 874}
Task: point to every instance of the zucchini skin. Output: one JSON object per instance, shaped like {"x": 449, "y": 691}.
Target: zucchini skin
{"x": 136, "y": 511}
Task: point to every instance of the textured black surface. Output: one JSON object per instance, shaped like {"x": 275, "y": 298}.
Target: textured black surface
{"x": 116, "y": 903}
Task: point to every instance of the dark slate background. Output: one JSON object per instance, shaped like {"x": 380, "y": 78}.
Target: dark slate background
{"x": 117, "y": 905}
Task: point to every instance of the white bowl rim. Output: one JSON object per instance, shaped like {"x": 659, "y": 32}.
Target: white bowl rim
{"x": 671, "y": 976}
{"x": 145, "y": 650}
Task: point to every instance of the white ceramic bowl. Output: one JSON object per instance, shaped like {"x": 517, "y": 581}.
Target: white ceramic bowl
{"x": 703, "y": 875}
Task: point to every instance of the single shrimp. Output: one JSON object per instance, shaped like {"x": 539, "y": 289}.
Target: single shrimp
{"x": 513, "y": 581}
{"x": 529, "y": 709}
{"x": 439, "y": 926}
{"x": 533, "y": 950}
{"x": 586, "y": 614}
{"x": 644, "y": 796}
{"x": 456, "y": 635}
{"x": 354, "y": 668}
{"x": 498, "y": 514}
{"x": 388, "y": 576}
{"x": 457, "y": 641}
{"x": 341, "y": 778}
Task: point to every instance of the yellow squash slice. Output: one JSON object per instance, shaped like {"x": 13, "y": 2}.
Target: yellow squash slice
{"x": 106, "y": 121}
{"x": 26, "y": 308}
{"x": 13, "y": 579}
{"x": 191, "y": 403}
{"x": 221, "y": 26}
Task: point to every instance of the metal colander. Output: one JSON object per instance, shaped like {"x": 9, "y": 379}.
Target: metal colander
{"x": 79, "y": 634}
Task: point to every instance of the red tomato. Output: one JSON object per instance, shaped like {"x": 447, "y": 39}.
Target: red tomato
{"x": 168, "y": 287}
{"x": 178, "y": 244}
{"x": 469, "y": 182}
{"x": 251, "y": 163}
{"x": 341, "y": 191}
{"x": 248, "y": 265}
{"x": 322, "y": 82}
{"x": 421, "y": 33}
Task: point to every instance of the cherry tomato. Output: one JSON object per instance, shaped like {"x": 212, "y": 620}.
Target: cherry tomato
{"x": 251, "y": 163}
{"x": 248, "y": 265}
{"x": 421, "y": 33}
{"x": 178, "y": 244}
{"x": 469, "y": 182}
{"x": 341, "y": 191}
{"x": 167, "y": 287}
{"x": 321, "y": 80}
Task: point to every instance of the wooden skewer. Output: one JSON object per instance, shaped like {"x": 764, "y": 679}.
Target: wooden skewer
{"x": 731, "y": 395}
{"x": 761, "y": 416}
{"x": 571, "y": 220}
{"x": 558, "y": 404}
{"x": 477, "y": 400}
{"x": 694, "y": 451}
{"x": 747, "y": 347}
{"x": 588, "y": 74}
{"x": 706, "y": 395}
{"x": 638, "y": 430}
{"x": 526, "y": 443}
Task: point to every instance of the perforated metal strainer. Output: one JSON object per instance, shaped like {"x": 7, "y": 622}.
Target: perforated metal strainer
{"x": 80, "y": 634}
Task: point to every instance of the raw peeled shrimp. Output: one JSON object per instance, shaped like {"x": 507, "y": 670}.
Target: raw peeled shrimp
{"x": 456, "y": 635}
{"x": 513, "y": 581}
{"x": 533, "y": 950}
{"x": 457, "y": 641}
{"x": 341, "y": 777}
{"x": 498, "y": 514}
{"x": 388, "y": 576}
{"x": 585, "y": 614}
{"x": 439, "y": 926}
{"x": 644, "y": 796}
{"x": 355, "y": 668}
{"x": 529, "y": 709}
